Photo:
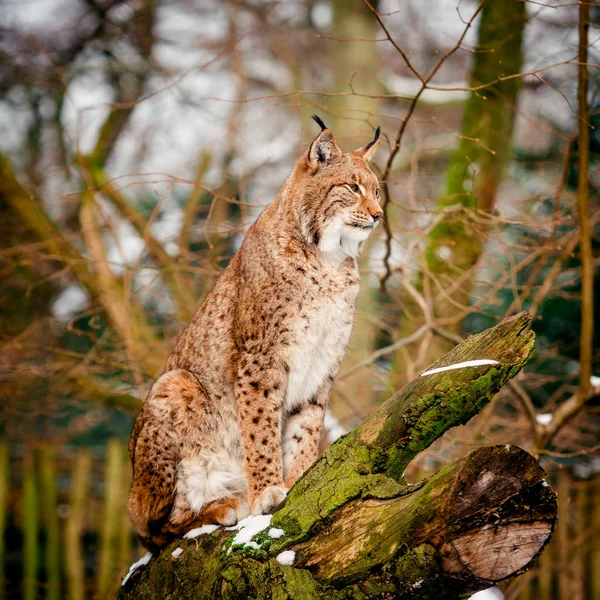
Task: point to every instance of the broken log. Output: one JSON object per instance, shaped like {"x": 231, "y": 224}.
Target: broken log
{"x": 352, "y": 528}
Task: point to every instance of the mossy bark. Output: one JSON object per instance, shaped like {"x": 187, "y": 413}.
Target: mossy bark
{"x": 359, "y": 531}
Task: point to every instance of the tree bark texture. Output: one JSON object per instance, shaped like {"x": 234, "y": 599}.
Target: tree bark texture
{"x": 357, "y": 530}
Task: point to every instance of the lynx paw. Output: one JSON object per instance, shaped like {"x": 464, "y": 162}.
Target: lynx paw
{"x": 231, "y": 515}
{"x": 268, "y": 499}
{"x": 227, "y": 511}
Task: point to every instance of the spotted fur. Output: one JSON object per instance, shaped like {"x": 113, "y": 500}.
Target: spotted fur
{"x": 236, "y": 416}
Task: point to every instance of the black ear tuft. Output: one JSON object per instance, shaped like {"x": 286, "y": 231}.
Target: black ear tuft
{"x": 319, "y": 122}
{"x": 370, "y": 144}
{"x": 324, "y": 149}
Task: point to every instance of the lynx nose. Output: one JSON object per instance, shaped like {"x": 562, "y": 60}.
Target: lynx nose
{"x": 376, "y": 216}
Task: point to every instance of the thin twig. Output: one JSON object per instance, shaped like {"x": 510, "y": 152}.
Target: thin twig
{"x": 587, "y": 265}
{"x": 413, "y": 337}
{"x": 400, "y": 134}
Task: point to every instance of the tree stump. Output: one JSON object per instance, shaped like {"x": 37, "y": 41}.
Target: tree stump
{"x": 352, "y": 528}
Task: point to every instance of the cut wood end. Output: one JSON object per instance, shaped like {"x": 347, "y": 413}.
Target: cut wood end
{"x": 501, "y": 490}
{"x": 495, "y": 553}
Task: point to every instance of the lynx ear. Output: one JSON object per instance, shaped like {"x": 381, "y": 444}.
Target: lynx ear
{"x": 367, "y": 151}
{"x": 324, "y": 149}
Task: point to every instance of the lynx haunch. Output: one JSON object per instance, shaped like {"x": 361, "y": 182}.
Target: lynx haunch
{"x": 236, "y": 416}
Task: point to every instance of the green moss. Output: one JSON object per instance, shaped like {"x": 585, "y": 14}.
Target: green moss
{"x": 338, "y": 477}
{"x": 383, "y": 487}
{"x": 234, "y": 583}
{"x": 299, "y": 584}
{"x": 379, "y": 460}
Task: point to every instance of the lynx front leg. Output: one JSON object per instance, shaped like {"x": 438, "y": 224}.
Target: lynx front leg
{"x": 260, "y": 394}
{"x": 302, "y": 434}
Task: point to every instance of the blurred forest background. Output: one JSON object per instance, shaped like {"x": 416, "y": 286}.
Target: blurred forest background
{"x": 140, "y": 138}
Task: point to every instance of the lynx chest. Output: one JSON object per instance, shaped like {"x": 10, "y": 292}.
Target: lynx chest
{"x": 321, "y": 332}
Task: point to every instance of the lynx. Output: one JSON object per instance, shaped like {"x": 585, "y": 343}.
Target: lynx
{"x": 236, "y": 416}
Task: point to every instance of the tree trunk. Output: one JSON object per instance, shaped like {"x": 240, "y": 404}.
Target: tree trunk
{"x": 476, "y": 168}
{"x": 474, "y": 174}
{"x": 344, "y": 115}
{"x": 352, "y": 528}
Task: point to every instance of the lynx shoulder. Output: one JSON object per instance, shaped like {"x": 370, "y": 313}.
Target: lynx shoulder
{"x": 236, "y": 416}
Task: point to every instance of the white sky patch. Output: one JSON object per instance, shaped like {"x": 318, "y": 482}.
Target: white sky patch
{"x": 444, "y": 252}
{"x": 136, "y": 565}
{"x": 410, "y": 87}
{"x": 595, "y": 380}
{"x": 171, "y": 248}
{"x": 286, "y": 558}
{"x": 544, "y": 419}
{"x": 177, "y": 552}
{"x": 169, "y": 224}
{"x": 86, "y": 108}
{"x": 194, "y": 533}
{"x": 247, "y": 528}
{"x": 462, "y": 365}
{"x": 333, "y": 427}
{"x": 586, "y": 470}
{"x": 322, "y": 15}
{"x": 70, "y": 301}
{"x": 128, "y": 249}
{"x": 275, "y": 533}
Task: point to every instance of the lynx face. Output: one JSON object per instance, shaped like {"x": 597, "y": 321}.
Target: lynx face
{"x": 340, "y": 206}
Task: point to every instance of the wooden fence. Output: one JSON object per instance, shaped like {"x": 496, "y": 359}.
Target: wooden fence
{"x": 66, "y": 534}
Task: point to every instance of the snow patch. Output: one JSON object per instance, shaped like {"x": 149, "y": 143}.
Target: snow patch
{"x": 252, "y": 544}
{"x": 417, "y": 584}
{"x": 544, "y": 483}
{"x": 276, "y": 533}
{"x": 462, "y": 365}
{"x": 247, "y": 528}
{"x": 595, "y": 380}
{"x": 177, "y": 552}
{"x": 194, "y": 533}
{"x": 286, "y": 558}
{"x": 136, "y": 565}
{"x": 492, "y": 593}
{"x": 544, "y": 419}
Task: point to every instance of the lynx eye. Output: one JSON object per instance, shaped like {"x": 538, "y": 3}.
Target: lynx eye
{"x": 355, "y": 188}
{"x": 377, "y": 192}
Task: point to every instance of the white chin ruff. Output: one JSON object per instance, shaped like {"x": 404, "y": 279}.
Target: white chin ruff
{"x": 337, "y": 238}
